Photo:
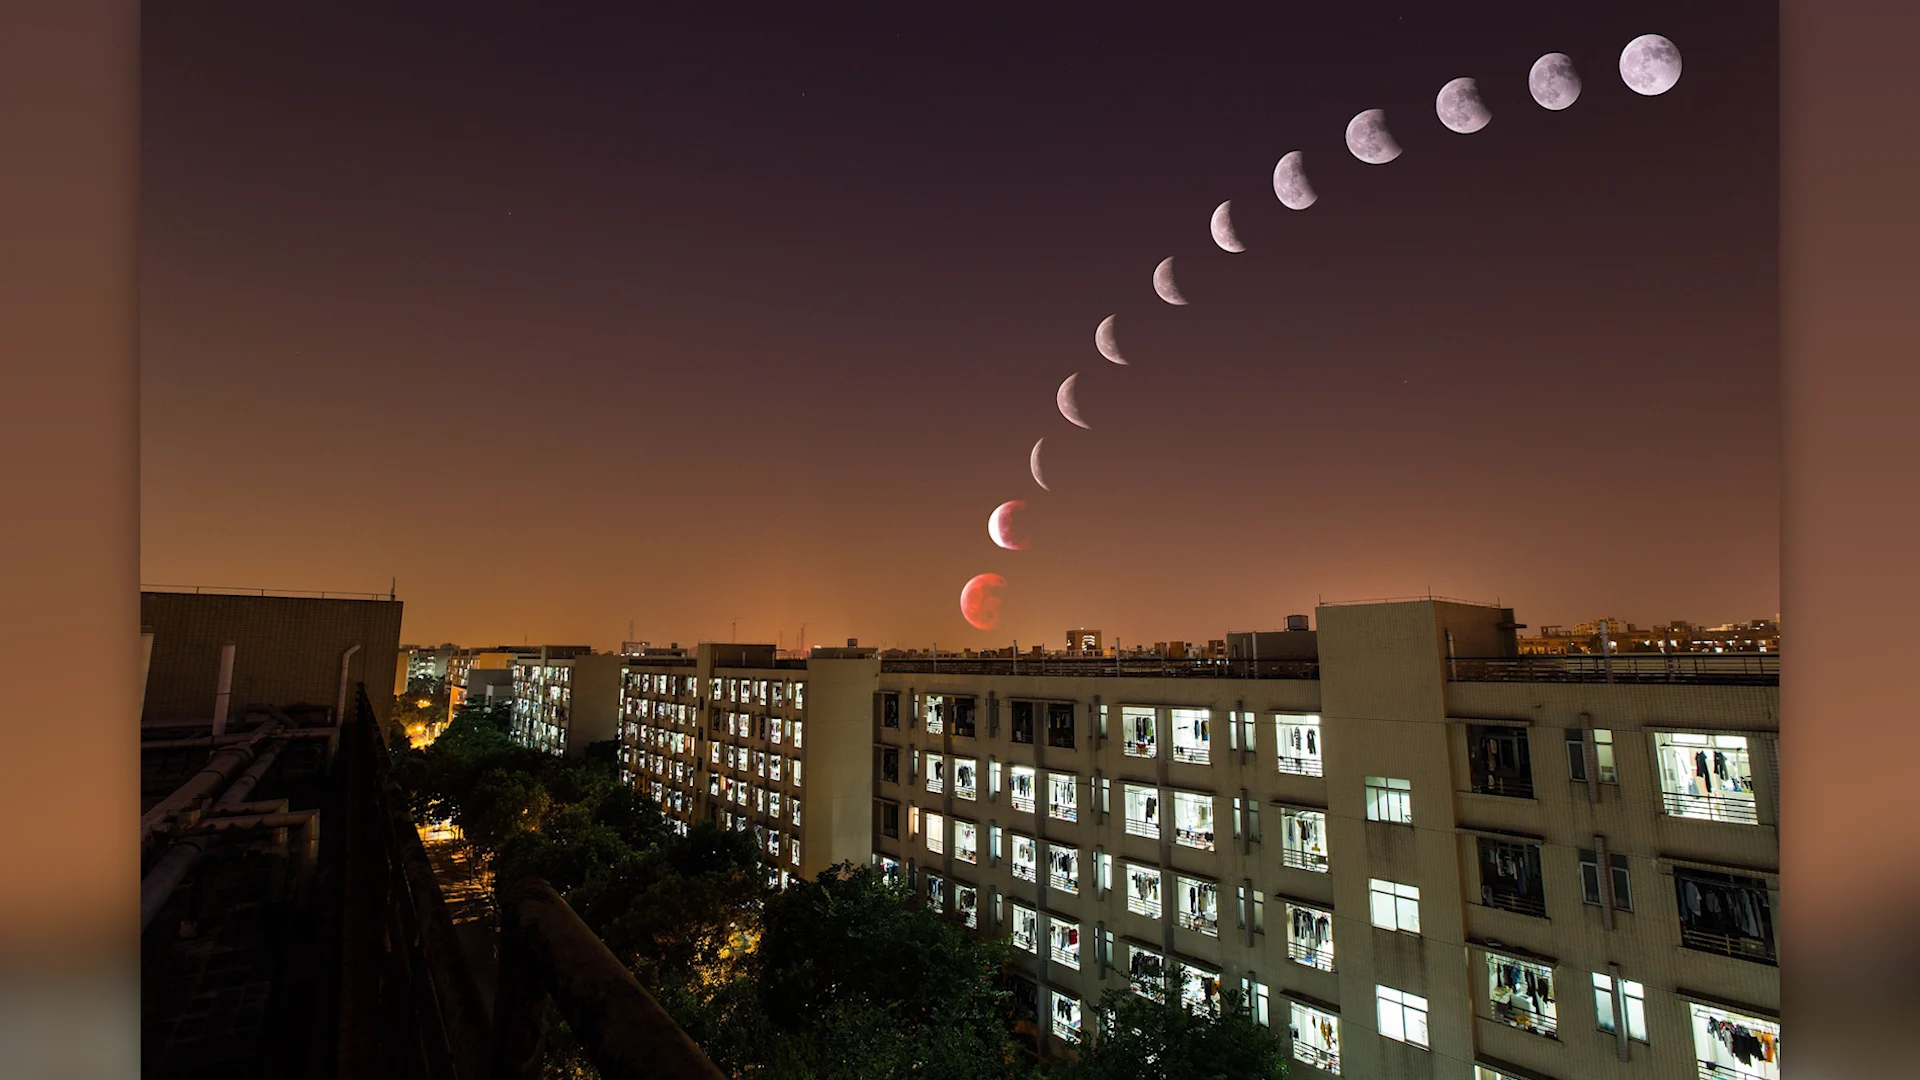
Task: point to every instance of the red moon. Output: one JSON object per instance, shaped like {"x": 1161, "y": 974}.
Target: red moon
{"x": 980, "y": 600}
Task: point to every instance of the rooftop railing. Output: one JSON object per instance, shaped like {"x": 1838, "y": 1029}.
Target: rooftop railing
{"x": 1093, "y": 666}
{"x": 1725, "y": 669}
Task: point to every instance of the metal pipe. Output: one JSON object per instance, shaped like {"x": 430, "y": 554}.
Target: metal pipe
{"x": 251, "y": 778}
{"x": 146, "y": 666}
{"x": 219, "y": 769}
{"x": 204, "y": 741}
{"x": 223, "y": 808}
{"x": 340, "y": 702}
{"x": 167, "y": 874}
{"x": 223, "y": 692}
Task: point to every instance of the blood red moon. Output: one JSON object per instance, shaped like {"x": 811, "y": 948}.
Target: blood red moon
{"x": 980, "y": 600}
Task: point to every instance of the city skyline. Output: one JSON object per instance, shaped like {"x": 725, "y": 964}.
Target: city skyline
{"x": 682, "y": 320}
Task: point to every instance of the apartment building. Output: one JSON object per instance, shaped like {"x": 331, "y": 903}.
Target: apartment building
{"x": 565, "y": 698}
{"x": 1414, "y": 851}
{"x": 736, "y": 735}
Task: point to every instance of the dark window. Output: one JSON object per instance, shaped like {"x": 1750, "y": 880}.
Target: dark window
{"x": 890, "y": 765}
{"x": 1724, "y": 913}
{"x": 963, "y": 709}
{"x": 1498, "y": 761}
{"x": 1060, "y": 725}
{"x": 890, "y": 710}
{"x": 1577, "y": 754}
{"x": 1590, "y": 880}
{"x": 1510, "y": 877}
{"x": 890, "y": 820}
{"x": 1023, "y": 721}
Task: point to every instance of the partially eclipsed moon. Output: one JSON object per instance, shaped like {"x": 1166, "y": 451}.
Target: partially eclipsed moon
{"x": 1103, "y": 340}
{"x": 1460, "y": 108}
{"x": 1650, "y": 64}
{"x": 1068, "y": 409}
{"x": 1163, "y": 282}
{"x": 1553, "y": 82}
{"x": 1033, "y": 463}
{"x": 1369, "y": 139}
{"x": 1290, "y": 182}
{"x": 1223, "y": 233}
{"x": 980, "y": 600}
{"x": 1004, "y": 525}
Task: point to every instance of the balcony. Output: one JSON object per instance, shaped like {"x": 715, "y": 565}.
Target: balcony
{"x": 1148, "y": 829}
{"x": 1302, "y": 953}
{"x": 1301, "y": 859}
{"x": 1300, "y": 766}
{"x": 1308, "y": 1054}
{"x": 1203, "y": 924}
{"x": 1722, "y": 669}
{"x": 1025, "y": 872}
{"x": 1534, "y": 905}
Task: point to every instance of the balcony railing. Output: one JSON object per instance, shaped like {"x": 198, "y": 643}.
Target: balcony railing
{"x": 1513, "y": 787}
{"x": 1204, "y": 924}
{"x": 1534, "y": 905}
{"x": 1192, "y": 755}
{"x": 1148, "y": 829}
{"x": 1300, "y": 766}
{"x": 1068, "y": 955}
{"x": 1740, "y": 811}
{"x": 1024, "y": 871}
{"x": 1301, "y": 859}
{"x": 1063, "y": 811}
{"x": 1066, "y": 883}
{"x": 1023, "y": 803}
{"x": 1194, "y": 838}
{"x": 1740, "y": 947}
{"x": 1728, "y": 669}
{"x": 1301, "y": 952}
{"x": 1309, "y": 1054}
{"x": 1525, "y": 1020}
{"x": 1139, "y": 906}
{"x": 1140, "y": 748}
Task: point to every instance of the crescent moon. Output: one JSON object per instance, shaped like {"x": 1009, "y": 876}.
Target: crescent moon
{"x": 1033, "y": 463}
{"x": 1103, "y": 340}
{"x": 1369, "y": 139}
{"x": 1163, "y": 282}
{"x": 980, "y": 600}
{"x": 1002, "y": 529}
{"x": 1290, "y": 181}
{"x": 1068, "y": 409}
{"x": 1222, "y": 226}
{"x": 1460, "y": 108}
{"x": 1553, "y": 82}
{"x": 1650, "y": 64}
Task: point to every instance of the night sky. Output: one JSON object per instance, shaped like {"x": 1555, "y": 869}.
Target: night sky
{"x": 678, "y": 316}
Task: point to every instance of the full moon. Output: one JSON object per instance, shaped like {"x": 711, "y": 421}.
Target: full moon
{"x": 1005, "y": 526}
{"x": 1033, "y": 466}
{"x": 1290, "y": 182}
{"x": 1460, "y": 108}
{"x": 1103, "y": 340}
{"x": 980, "y": 600}
{"x": 1369, "y": 139}
{"x": 1064, "y": 399}
{"x": 1650, "y": 65}
{"x": 1553, "y": 82}
{"x": 1223, "y": 233}
{"x": 1163, "y": 285}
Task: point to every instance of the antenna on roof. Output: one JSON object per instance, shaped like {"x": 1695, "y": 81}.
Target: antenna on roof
{"x": 393, "y": 585}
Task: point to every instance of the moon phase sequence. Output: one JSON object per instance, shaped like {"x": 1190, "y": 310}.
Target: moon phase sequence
{"x": 1006, "y": 526}
{"x": 1222, "y": 226}
{"x": 1553, "y": 82}
{"x": 1460, "y": 108}
{"x": 1369, "y": 139}
{"x": 1068, "y": 408}
{"x": 1163, "y": 285}
{"x": 980, "y": 600}
{"x": 1104, "y": 341}
{"x": 1290, "y": 182}
{"x": 1650, "y": 64}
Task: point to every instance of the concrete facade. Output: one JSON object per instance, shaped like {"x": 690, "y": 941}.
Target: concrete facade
{"x": 288, "y": 650}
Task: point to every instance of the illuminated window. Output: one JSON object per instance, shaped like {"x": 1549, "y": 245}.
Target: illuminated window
{"x": 1192, "y": 736}
{"x": 1316, "y": 1037}
{"x": 1143, "y": 811}
{"x": 1704, "y": 776}
{"x": 1193, "y": 820}
{"x": 1138, "y": 724}
{"x": 1143, "y": 890}
{"x": 1389, "y": 799}
{"x": 1026, "y": 929}
{"x": 1521, "y": 993}
{"x": 1062, "y": 802}
{"x": 1633, "y": 1003}
{"x": 1063, "y": 868}
{"x": 1064, "y": 938}
{"x": 1303, "y": 843}
{"x": 1310, "y": 936}
{"x": 936, "y": 773}
{"x": 966, "y": 841}
{"x": 1403, "y": 1016}
{"x": 965, "y": 775}
{"x": 1147, "y": 973}
{"x": 1199, "y": 905}
{"x": 1020, "y": 784}
{"x": 1394, "y": 906}
{"x": 1026, "y": 858}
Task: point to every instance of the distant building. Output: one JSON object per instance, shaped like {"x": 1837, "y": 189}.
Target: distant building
{"x": 1755, "y": 636}
{"x": 1083, "y": 641}
{"x": 565, "y": 698}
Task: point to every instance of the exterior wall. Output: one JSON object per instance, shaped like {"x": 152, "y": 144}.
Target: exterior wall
{"x": 595, "y": 715}
{"x": 288, "y": 650}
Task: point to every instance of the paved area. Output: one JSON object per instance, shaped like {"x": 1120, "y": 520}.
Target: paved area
{"x": 468, "y": 892}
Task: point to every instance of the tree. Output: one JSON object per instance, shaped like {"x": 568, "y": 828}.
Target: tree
{"x": 1138, "y": 1038}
